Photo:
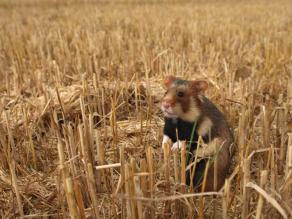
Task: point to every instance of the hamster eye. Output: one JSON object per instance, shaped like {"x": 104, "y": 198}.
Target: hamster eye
{"x": 180, "y": 94}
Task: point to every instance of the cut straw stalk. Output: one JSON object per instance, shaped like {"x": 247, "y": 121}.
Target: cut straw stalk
{"x": 89, "y": 171}
{"x": 100, "y": 160}
{"x": 149, "y": 155}
{"x": 202, "y": 198}
{"x": 266, "y": 123}
{"x": 288, "y": 168}
{"x": 122, "y": 179}
{"x": 264, "y": 177}
{"x": 143, "y": 181}
{"x": 136, "y": 188}
{"x": 144, "y": 186}
{"x": 176, "y": 179}
{"x": 15, "y": 186}
{"x": 273, "y": 169}
{"x": 260, "y": 151}
{"x": 241, "y": 144}
{"x": 107, "y": 166}
{"x": 289, "y": 90}
{"x": 29, "y": 134}
{"x": 114, "y": 124}
{"x": 183, "y": 173}
{"x": 176, "y": 166}
{"x": 79, "y": 199}
{"x": 92, "y": 189}
{"x": 225, "y": 199}
{"x": 139, "y": 203}
{"x": 71, "y": 149}
{"x": 132, "y": 171}
{"x": 67, "y": 181}
{"x": 215, "y": 183}
{"x": 87, "y": 137}
{"x": 242, "y": 133}
{"x": 10, "y": 150}
{"x": 166, "y": 150}
{"x": 268, "y": 198}
{"x": 183, "y": 166}
{"x": 131, "y": 210}
{"x": 246, "y": 179}
{"x": 281, "y": 132}
{"x": 90, "y": 136}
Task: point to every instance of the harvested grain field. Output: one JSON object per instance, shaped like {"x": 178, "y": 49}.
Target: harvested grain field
{"x": 80, "y": 124}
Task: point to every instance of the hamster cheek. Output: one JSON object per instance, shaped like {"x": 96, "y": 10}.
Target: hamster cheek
{"x": 177, "y": 109}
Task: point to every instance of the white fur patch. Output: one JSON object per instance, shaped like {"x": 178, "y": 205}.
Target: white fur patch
{"x": 166, "y": 140}
{"x": 176, "y": 145}
{"x": 210, "y": 149}
{"x": 193, "y": 114}
{"x": 205, "y": 127}
{"x": 201, "y": 98}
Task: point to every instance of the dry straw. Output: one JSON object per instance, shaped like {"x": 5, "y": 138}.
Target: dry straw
{"x": 80, "y": 125}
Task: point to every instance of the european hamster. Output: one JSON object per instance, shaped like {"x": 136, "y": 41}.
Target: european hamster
{"x": 188, "y": 115}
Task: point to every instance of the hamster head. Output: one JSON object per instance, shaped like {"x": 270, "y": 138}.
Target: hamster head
{"x": 182, "y": 98}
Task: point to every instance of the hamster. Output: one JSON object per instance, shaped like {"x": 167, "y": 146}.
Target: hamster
{"x": 188, "y": 114}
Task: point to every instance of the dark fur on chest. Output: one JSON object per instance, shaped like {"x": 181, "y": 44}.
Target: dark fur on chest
{"x": 185, "y": 131}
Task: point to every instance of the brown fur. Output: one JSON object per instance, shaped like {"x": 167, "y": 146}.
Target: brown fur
{"x": 223, "y": 162}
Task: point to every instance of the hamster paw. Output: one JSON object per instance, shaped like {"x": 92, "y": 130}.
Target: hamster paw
{"x": 176, "y": 146}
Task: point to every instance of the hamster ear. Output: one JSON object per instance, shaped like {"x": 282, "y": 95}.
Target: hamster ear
{"x": 168, "y": 81}
{"x": 199, "y": 86}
